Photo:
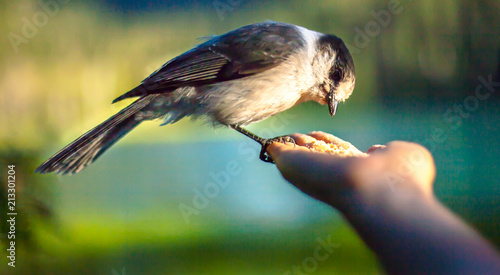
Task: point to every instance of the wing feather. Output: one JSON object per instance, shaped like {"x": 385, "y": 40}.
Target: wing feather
{"x": 243, "y": 52}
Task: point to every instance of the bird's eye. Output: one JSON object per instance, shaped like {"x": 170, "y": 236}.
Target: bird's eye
{"x": 336, "y": 75}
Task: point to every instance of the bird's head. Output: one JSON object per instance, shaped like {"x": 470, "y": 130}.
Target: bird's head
{"x": 339, "y": 82}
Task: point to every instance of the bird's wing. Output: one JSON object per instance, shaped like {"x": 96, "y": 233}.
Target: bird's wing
{"x": 246, "y": 51}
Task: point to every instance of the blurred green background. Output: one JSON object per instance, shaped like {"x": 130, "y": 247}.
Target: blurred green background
{"x": 418, "y": 66}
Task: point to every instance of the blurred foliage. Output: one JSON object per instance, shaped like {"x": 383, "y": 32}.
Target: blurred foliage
{"x": 61, "y": 80}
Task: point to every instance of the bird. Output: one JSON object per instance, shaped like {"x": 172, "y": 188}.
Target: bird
{"x": 234, "y": 79}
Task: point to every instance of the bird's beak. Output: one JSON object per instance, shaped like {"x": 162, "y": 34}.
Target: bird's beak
{"x": 332, "y": 104}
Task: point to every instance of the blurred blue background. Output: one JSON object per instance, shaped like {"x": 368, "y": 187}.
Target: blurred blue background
{"x": 137, "y": 210}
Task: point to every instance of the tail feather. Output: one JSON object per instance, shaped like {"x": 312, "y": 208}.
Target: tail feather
{"x": 88, "y": 147}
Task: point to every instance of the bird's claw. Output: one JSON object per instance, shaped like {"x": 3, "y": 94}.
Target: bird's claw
{"x": 264, "y": 156}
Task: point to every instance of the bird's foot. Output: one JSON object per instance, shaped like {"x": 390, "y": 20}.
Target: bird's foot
{"x": 264, "y": 156}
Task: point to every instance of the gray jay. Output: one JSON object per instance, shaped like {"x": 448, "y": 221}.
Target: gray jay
{"x": 234, "y": 79}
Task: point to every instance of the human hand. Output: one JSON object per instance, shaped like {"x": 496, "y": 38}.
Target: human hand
{"x": 344, "y": 177}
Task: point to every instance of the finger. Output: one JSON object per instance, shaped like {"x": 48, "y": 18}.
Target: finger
{"x": 303, "y": 140}
{"x": 278, "y": 149}
{"x": 375, "y": 148}
{"x": 326, "y": 137}
{"x": 314, "y": 173}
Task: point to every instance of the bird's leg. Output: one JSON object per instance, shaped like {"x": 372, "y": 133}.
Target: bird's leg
{"x": 264, "y": 156}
